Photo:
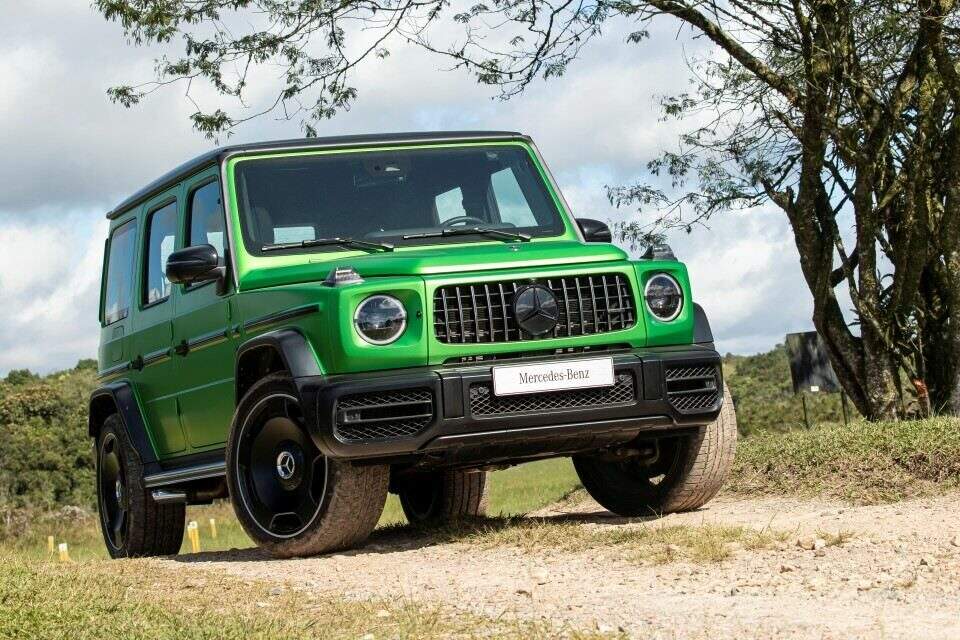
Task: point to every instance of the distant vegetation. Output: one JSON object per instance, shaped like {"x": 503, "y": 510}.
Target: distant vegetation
{"x": 764, "y": 398}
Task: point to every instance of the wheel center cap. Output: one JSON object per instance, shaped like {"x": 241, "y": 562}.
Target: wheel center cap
{"x": 286, "y": 465}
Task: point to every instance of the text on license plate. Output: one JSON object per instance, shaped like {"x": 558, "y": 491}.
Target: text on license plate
{"x": 552, "y": 376}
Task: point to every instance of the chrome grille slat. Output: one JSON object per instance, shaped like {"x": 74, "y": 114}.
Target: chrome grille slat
{"x": 483, "y": 313}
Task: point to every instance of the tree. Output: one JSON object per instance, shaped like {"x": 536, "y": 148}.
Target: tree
{"x": 827, "y": 109}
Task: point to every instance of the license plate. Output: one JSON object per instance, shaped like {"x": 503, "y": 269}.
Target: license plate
{"x": 552, "y": 376}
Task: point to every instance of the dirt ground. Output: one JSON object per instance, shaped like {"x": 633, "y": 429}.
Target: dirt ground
{"x": 897, "y": 576}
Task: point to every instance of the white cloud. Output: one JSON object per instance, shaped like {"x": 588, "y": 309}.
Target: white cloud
{"x": 68, "y": 150}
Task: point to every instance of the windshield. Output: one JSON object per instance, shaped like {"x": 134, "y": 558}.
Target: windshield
{"x": 406, "y": 197}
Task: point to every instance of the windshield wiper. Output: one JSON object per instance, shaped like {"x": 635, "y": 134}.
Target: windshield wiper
{"x": 329, "y": 242}
{"x": 469, "y": 231}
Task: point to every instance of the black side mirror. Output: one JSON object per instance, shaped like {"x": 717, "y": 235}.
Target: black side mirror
{"x": 594, "y": 230}
{"x": 192, "y": 265}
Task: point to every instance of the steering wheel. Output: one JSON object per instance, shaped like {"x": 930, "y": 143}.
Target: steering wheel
{"x": 462, "y": 220}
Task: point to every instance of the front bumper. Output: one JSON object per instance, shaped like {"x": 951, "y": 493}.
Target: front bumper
{"x": 447, "y": 415}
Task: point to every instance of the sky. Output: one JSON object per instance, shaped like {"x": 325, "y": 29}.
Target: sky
{"x": 69, "y": 155}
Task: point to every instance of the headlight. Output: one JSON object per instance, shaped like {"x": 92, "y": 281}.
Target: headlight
{"x": 664, "y": 297}
{"x": 380, "y": 319}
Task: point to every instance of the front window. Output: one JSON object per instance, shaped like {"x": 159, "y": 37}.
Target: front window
{"x": 387, "y": 197}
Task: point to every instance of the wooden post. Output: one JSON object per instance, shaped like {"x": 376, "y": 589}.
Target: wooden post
{"x": 806, "y": 415}
{"x": 843, "y": 407}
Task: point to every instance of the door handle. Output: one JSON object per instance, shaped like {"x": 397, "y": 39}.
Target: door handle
{"x": 137, "y": 363}
{"x": 182, "y": 349}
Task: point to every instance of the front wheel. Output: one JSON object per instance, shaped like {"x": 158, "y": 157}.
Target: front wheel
{"x": 289, "y": 498}
{"x": 687, "y": 473}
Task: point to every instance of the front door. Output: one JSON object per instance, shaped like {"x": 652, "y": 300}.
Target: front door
{"x": 202, "y": 329}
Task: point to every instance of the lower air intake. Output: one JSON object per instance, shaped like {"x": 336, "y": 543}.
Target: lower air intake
{"x": 694, "y": 388}
{"x": 391, "y": 415}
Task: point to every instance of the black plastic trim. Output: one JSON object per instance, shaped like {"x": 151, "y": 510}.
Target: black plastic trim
{"x": 702, "y": 334}
{"x": 293, "y": 349}
{"x": 452, "y": 417}
{"x": 204, "y": 471}
{"x": 125, "y": 403}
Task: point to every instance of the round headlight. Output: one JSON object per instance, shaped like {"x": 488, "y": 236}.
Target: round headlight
{"x": 664, "y": 297}
{"x": 380, "y": 319}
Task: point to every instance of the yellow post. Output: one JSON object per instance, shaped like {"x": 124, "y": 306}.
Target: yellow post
{"x": 213, "y": 528}
{"x": 51, "y": 547}
{"x": 64, "y": 553}
{"x": 193, "y": 533}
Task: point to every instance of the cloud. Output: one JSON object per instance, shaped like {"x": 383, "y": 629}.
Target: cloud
{"x": 70, "y": 155}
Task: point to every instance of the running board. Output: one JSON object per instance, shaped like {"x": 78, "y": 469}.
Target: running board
{"x": 186, "y": 474}
{"x": 167, "y": 497}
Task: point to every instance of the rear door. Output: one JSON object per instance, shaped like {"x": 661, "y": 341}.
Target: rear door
{"x": 153, "y": 373}
{"x": 202, "y": 328}
{"x": 116, "y": 300}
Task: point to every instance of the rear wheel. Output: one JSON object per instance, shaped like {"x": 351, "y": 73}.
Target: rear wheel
{"x": 436, "y": 498}
{"x": 132, "y": 523}
{"x": 290, "y": 498}
{"x": 687, "y": 473}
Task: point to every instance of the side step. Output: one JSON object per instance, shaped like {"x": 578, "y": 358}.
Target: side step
{"x": 186, "y": 474}
{"x": 167, "y": 497}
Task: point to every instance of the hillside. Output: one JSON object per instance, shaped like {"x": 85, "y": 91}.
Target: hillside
{"x": 763, "y": 394}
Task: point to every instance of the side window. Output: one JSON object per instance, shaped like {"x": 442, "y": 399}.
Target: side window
{"x": 120, "y": 259}
{"x": 511, "y": 202}
{"x": 161, "y": 235}
{"x": 206, "y": 218}
{"x": 449, "y": 205}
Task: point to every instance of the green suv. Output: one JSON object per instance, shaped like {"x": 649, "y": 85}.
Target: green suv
{"x": 305, "y": 326}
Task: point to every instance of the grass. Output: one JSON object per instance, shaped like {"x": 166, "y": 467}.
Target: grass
{"x": 140, "y": 599}
{"x": 864, "y": 463}
{"x": 513, "y": 492}
{"x": 640, "y": 543}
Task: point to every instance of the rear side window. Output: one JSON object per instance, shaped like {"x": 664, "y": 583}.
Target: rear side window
{"x": 119, "y": 285}
{"x": 206, "y": 218}
{"x": 161, "y": 235}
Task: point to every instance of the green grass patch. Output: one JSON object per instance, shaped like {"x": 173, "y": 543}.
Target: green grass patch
{"x": 513, "y": 491}
{"x": 864, "y": 463}
{"x": 641, "y": 543}
{"x": 142, "y": 599}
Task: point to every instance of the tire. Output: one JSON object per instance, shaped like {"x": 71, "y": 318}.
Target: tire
{"x": 440, "y": 497}
{"x": 290, "y": 499}
{"x": 688, "y": 473}
{"x": 132, "y": 524}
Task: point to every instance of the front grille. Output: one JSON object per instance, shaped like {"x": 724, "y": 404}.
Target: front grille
{"x": 693, "y": 388}
{"x": 483, "y": 312}
{"x": 390, "y": 415}
{"x": 484, "y": 403}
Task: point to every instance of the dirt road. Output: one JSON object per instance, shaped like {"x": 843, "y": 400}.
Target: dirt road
{"x": 897, "y": 576}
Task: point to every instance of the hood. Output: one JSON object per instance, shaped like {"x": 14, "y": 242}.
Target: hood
{"x": 453, "y": 258}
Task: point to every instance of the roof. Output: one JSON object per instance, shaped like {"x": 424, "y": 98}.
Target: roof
{"x": 216, "y": 155}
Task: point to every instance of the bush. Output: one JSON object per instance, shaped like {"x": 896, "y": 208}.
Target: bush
{"x": 47, "y": 458}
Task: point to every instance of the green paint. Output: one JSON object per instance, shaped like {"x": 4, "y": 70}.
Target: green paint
{"x": 188, "y": 400}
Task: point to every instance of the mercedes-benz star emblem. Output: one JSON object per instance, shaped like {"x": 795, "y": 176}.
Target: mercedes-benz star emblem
{"x": 536, "y": 309}
{"x": 286, "y": 465}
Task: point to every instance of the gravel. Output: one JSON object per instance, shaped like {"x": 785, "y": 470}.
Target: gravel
{"x": 889, "y": 571}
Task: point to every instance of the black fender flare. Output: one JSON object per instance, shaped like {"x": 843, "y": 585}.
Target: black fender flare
{"x": 119, "y": 398}
{"x": 293, "y": 348}
{"x": 702, "y": 334}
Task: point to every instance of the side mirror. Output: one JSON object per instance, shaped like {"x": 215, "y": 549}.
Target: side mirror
{"x": 192, "y": 265}
{"x": 594, "y": 230}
